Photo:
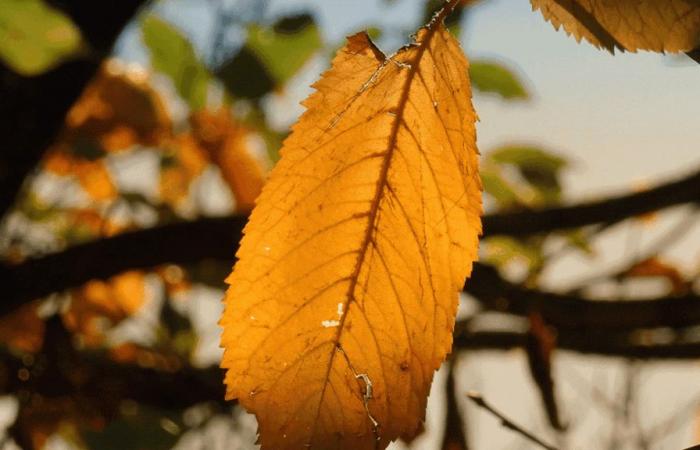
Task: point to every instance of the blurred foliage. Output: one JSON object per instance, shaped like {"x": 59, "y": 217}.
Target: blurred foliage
{"x": 517, "y": 177}
{"x": 285, "y": 47}
{"x": 35, "y": 37}
{"x": 172, "y": 54}
{"x": 494, "y": 77}
{"x": 271, "y": 56}
{"x": 523, "y": 176}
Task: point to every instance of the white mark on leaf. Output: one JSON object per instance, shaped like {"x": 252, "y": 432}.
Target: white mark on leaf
{"x": 330, "y": 323}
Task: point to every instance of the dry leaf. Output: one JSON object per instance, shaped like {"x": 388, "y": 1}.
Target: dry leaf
{"x": 118, "y": 109}
{"x": 225, "y": 141}
{"x": 23, "y": 329}
{"x": 130, "y": 353}
{"x": 93, "y": 176}
{"x": 660, "y": 26}
{"x": 97, "y": 301}
{"x": 343, "y": 301}
{"x": 187, "y": 160}
{"x": 95, "y": 179}
{"x": 92, "y": 223}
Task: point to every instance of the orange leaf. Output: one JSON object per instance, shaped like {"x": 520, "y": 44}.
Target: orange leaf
{"x": 174, "y": 278}
{"x": 660, "y": 26}
{"x": 93, "y": 176}
{"x": 118, "y": 109}
{"x": 114, "y": 300}
{"x": 58, "y": 163}
{"x": 95, "y": 179}
{"x": 225, "y": 141}
{"x": 188, "y": 162}
{"x": 93, "y": 223}
{"x": 343, "y": 301}
{"x": 23, "y": 329}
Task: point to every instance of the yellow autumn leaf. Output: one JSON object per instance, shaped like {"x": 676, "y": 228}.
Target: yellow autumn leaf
{"x": 23, "y": 329}
{"x": 187, "y": 160}
{"x": 95, "y": 179}
{"x": 343, "y": 300}
{"x": 660, "y": 26}
{"x": 118, "y": 109}
{"x": 112, "y": 300}
{"x": 226, "y": 142}
{"x": 92, "y": 175}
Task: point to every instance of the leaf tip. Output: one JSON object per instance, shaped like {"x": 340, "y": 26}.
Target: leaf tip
{"x": 361, "y": 42}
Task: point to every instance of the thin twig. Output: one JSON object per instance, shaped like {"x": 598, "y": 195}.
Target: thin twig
{"x": 506, "y": 422}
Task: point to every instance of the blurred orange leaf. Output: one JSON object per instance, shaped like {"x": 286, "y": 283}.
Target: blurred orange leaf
{"x": 130, "y": 353}
{"x": 101, "y": 303}
{"x": 23, "y": 329}
{"x": 184, "y": 161}
{"x": 225, "y": 141}
{"x": 174, "y": 278}
{"x": 95, "y": 179}
{"x": 343, "y": 300}
{"x": 93, "y": 176}
{"x": 118, "y": 109}
{"x": 93, "y": 223}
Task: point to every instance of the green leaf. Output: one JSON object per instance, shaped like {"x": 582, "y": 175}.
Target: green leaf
{"x": 35, "y": 37}
{"x": 271, "y": 56}
{"x": 285, "y": 47}
{"x": 494, "y": 77}
{"x": 499, "y": 188}
{"x": 524, "y": 156}
{"x": 245, "y": 75}
{"x": 539, "y": 168}
{"x": 173, "y": 55}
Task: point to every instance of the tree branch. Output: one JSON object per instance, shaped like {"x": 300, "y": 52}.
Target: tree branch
{"x": 608, "y": 211}
{"x": 625, "y": 345}
{"x": 217, "y": 238}
{"x": 111, "y": 382}
{"x": 574, "y": 312}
